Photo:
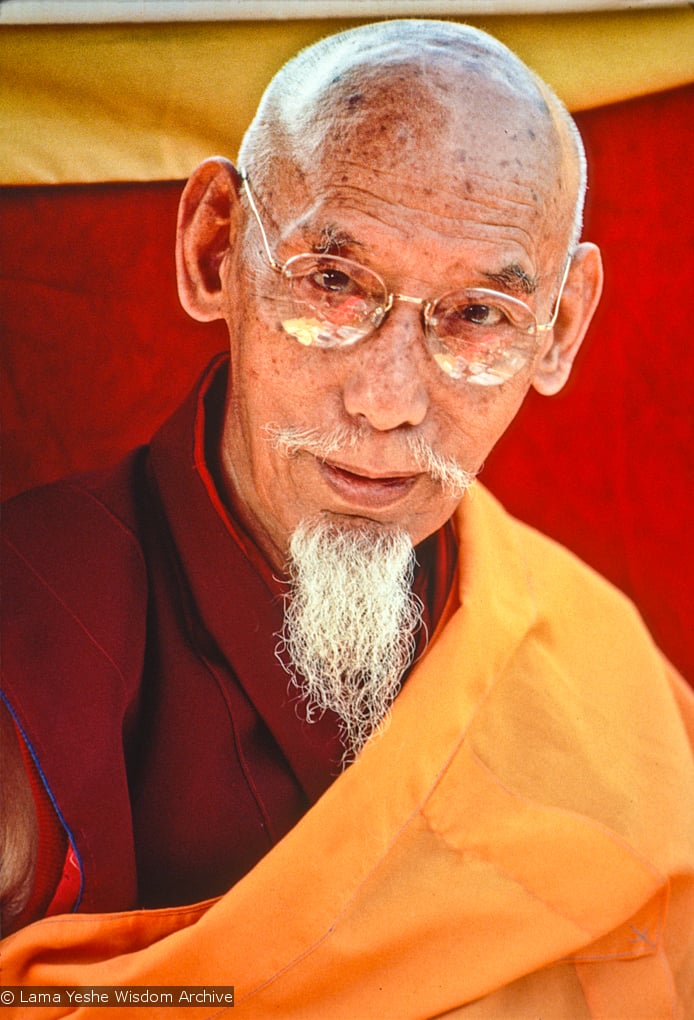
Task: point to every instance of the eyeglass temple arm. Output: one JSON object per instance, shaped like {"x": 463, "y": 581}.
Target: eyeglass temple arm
{"x": 545, "y": 326}
{"x": 251, "y": 201}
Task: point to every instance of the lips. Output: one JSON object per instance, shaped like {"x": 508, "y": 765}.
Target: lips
{"x": 367, "y": 490}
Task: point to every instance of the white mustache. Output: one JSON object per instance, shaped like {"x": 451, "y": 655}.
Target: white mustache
{"x": 446, "y": 471}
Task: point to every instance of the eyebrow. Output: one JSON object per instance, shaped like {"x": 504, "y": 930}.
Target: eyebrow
{"x": 333, "y": 240}
{"x": 514, "y": 278}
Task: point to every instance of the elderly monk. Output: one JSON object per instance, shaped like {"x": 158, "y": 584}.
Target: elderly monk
{"x": 362, "y": 745}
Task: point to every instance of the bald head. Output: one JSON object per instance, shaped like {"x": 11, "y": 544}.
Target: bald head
{"x": 442, "y": 101}
{"x": 397, "y": 176}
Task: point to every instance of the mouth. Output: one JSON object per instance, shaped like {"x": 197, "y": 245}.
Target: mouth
{"x": 366, "y": 489}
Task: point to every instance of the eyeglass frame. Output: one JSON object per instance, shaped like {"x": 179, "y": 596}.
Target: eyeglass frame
{"x": 425, "y": 304}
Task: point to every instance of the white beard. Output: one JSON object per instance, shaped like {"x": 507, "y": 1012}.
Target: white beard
{"x": 350, "y": 621}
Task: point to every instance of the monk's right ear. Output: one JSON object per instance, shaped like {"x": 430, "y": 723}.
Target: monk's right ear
{"x": 208, "y": 216}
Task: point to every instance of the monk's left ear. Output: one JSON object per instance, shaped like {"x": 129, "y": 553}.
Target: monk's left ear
{"x": 579, "y": 301}
{"x": 208, "y": 219}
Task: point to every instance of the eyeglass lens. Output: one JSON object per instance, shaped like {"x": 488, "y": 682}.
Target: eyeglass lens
{"x": 475, "y": 333}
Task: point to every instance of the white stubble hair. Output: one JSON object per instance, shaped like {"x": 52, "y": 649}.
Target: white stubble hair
{"x": 350, "y": 622}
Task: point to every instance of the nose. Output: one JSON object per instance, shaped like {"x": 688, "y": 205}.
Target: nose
{"x": 386, "y": 383}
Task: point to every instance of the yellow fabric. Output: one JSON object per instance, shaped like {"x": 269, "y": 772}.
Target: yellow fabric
{"x": 518, "y": 842}
{"x": 149, "y": 102}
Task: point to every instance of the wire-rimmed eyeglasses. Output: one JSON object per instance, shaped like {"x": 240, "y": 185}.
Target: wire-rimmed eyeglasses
{"x": 481, "y": 336}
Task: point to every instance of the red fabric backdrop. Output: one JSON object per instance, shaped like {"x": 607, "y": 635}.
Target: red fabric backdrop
{"x": 97, "y": 351}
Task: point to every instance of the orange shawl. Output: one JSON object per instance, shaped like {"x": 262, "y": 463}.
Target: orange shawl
{"x": 516, "y": 843}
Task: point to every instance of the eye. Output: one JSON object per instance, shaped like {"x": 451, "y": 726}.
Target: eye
{"x": 333, "y": 281}
{"x": 481, "y": 315}
{"x": 471, "y": 321}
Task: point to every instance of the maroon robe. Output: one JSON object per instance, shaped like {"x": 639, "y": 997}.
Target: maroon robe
{"x": 139, "y": 666}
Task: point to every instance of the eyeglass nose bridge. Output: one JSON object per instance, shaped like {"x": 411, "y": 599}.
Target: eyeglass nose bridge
{"x": 382, "y": 311}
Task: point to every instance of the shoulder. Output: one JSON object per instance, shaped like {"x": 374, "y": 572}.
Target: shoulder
{"x": 74, "y": 572}
{"x": 583, "y": 690}
{"x": 103, "y": 500}
{"x": 77, "y": 524}
{"x": 562, "y": 587}
{"x": 585, "y": 651}
{"x": 581, "y": 632}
